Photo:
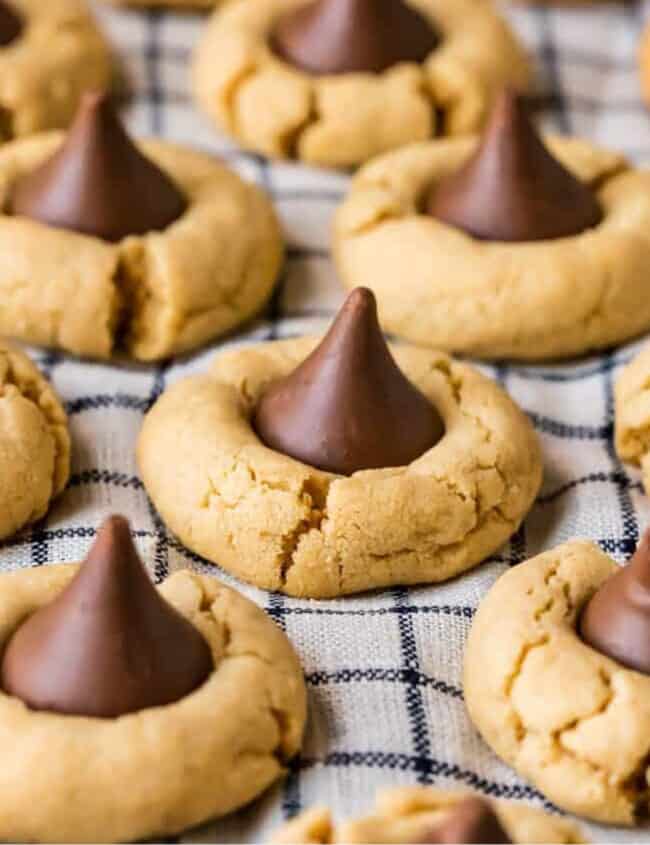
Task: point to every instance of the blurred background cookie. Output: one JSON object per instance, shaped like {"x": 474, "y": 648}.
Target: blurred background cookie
{"x": 335, "y": 82}
{"x": 50, "y": 53}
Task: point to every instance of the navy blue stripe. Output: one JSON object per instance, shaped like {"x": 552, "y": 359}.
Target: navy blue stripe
{"x": 417, "y": 717}
{"x": 104, "y": 476}
{"x": 381, "y": 675}
{"x": 395, "y": 761}
{"x": 39, "y": 537}
{"x": 570, "y": 432}
{"x": 39, "y": 545}
{"x": 398, "y": 610}
{"x": 615, "y": 477}
{"x": 630, "y": 524}
{"x": 152, "y": 52}
{"x": 102, "y": 401}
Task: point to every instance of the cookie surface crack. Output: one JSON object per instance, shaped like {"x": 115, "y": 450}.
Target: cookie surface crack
{"x": 315, "y": 500}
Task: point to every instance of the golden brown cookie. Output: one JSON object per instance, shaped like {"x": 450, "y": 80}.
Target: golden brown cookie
{"x": 632, "y": 414}
{"x": 148, "y": 296}
{"x": 409, "y": 814}
{"x": 286, "y": 526}
{"x": 59, "y": 54}
{"x": 569, "y": 719}
{"x": 34, "y": 443}
{"x": 156, "y": 771}
{"x": 273, "y": 108}
{"x": 528, "y": 300}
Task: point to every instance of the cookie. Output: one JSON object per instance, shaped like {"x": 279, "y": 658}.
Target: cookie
{"x": 286, "y": 526}
{"x": 570, "y": 719}
{"x": 632, "y": 414}
{"x": 57, "y": 53}
{"x": 536, "y": 299}
{"x": 34, "y": 443}
{"x": 93, "y": 265}
{"x": 148, "y": 738}
{"x": 270, "y": 105}
{"x": 413, "y": 814}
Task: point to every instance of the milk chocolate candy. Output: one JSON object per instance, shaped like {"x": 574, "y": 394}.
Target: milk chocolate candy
{"x": 350, "y": 36}
{"x": 348, "y": 407}
{"x": 472, "y": 821}
{"x": 616, "y": 621}
{"x": 98, "y": 182}
{"x": 109, "y": 644}
{"x": 512, "y": 188}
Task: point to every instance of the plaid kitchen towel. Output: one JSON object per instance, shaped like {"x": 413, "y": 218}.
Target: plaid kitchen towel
{"x": 384, "y": 670}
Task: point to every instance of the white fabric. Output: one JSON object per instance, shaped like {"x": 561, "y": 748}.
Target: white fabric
{"x": 384, "y": 670}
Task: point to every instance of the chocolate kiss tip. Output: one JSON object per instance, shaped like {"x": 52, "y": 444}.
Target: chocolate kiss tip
{"x": 353, "y": 36}
{"x": 109, "y": 644}
{"x": 348, "y": 407}
{"x": 472, "y": 821}
{"x": 11, "y": 24}
{"x": 99, "y": 183}
{"x": 362, "y": 299}
{"x": 512, "y": 189}
{"x": 616, "y": 621}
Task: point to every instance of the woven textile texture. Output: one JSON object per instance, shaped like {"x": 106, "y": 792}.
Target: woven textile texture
{"x": 384, "y": 670}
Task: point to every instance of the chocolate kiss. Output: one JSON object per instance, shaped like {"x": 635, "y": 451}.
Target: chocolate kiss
{"x": 109, "y": 644}
{"x": 616, "y": 622}
{"x": 472, "y": 821}
{"x": 512, "y": 189}
{"x": 348, "y": 407}
{"x": 99, "y": 183}
{"x": 11, "y": 24}
{"x": 348, "y": 36}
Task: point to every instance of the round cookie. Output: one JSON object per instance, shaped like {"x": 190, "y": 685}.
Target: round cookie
{"x": 160, "y": 770}
{"x": 148, "y": 296}
{"x": 34, "y": 443}
{"x": 632, "y": 414}
{"x": 409, "y": 814}
{"x": 59, "y": 54}
{"x": 527, "y": 300}
{"x": 342, "y": 120}
{"x": 571, "y": 720}
{"x": 286, "y": 526}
